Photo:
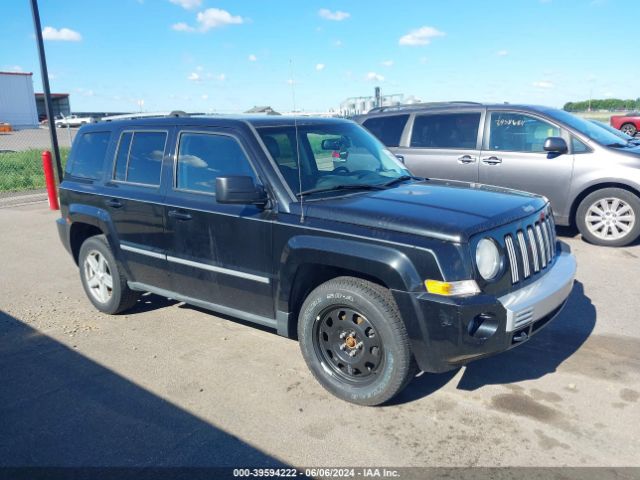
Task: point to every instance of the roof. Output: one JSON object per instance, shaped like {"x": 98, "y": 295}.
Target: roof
{"x": 435, "y": 106}
{"x": 224, "y": 120}
{"x": 53, "y": 95}
{"x": 28, "y": 74}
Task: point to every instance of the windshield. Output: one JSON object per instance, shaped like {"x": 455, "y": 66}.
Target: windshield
{"x": 609, "y": 128}
{"x": 331, "y": 156}
{"x": 594, "y": 132}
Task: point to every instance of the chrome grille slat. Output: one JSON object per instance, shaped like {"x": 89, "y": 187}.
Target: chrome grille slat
{"x": 525, "y": 256}
{"x": 515, "y": 276}
{"x": 541, "y": 246}
{"x": 534, "y": 249}
{"x": 547, "y": 238}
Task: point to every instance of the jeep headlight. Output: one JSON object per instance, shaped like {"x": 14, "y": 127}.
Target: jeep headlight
{"x": 488, "y": 259}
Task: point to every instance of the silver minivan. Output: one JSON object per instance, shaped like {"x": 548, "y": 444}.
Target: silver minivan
{"x": 590, "y": 175}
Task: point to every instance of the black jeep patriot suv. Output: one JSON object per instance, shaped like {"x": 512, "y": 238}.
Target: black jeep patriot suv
{"x": 312, "y": 227}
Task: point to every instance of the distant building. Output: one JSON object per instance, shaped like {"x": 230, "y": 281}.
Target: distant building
{"x": 17, "y": 100}
{"x": 59, "y": 104}
{"x": 360, "y": 105}
{"x": 262, "y": 111}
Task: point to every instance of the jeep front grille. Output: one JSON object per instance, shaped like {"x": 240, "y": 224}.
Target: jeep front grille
{"x": 533, "y": 246}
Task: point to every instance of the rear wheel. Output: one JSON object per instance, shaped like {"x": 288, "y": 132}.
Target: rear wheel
{"x": 103, "y": 279}
{"x": 354, "y": 341}
{"x": 610, "y": 217}
{"x": 629, "y": 129}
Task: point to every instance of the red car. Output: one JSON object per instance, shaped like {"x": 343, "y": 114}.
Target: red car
{"x": 628, "y": 123}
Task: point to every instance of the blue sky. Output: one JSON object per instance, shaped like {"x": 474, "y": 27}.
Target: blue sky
{"x": 226, "y": 56}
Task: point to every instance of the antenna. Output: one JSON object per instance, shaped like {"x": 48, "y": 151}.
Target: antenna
{"x": 295, "y": 128}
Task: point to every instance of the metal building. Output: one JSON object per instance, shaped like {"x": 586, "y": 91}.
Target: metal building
{"x": 17, "y": 100}
{"x": 59, "y": 103}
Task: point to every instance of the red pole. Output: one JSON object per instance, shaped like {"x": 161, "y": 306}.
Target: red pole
{"x": 50, "y": 180}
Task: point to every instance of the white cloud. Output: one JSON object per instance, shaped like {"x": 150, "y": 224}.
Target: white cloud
{"x": 221, "y": 77}
{"x": 387, "y": 63}
{"x": 182, "y": 27}
{"x": 194, "y": 77}
{"x": 423, "y": 60}
{"x": 63, "y": 35}
{"x": 204, "y": 96}
{"x": 543, "y": 84}
{"x": 608, "y": 94}
{"x": 374, "y": 77}
{"x": 420, "y": 36}
{"x": 337, "y": 43}
{"x": 320, "y": 67}
{"x": 502, "y": 53}
{"x": 187, "y": 4}
{"x": 14, "y": 69}
{"x": 252, "y": 58}
{"x": 336, "y": 16}
{"x": 215, "y": 17}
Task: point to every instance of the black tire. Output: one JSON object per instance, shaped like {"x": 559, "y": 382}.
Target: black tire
{"x": 586, "y": 219}
{"x": 381, "y": 366}
{"x": 629, "y": 128}
{"x": 119, "y": 297}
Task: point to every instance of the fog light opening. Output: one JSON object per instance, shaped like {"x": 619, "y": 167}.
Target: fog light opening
{"x": 483, "y": 326}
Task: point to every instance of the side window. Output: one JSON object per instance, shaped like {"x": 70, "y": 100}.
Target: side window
{"x": 202, "y": 157}
{"x": 446, "y": 130}
{"x": 139, "y": 157}
{"x": 88, "y": 155}
{"x": 578, "y": 147}
{"x": 516, "y": 132}
{"x": 387, "y": 129}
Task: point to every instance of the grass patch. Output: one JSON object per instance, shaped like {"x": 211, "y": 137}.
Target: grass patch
{"x": 23, "y": 170}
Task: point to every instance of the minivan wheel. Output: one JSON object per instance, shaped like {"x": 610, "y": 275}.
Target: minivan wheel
{"x": 610, "y": 217}
{"x": 102, "y": 278}
{"x": 629, "y": 129}
{"x": 354, "y": 341}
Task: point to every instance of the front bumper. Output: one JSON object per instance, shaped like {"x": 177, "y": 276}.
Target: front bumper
{"x": 448, "y": 332}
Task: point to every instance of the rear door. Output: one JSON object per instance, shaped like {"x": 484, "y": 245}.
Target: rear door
{"x": 444, "y": 145}
{"x": 134, "y": 202}
{"x": 513, "y": 155}
{"x": 218, "y": 253}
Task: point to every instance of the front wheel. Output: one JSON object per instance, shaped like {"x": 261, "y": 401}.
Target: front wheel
{"x": 102, "y": 278}
{"x": 354, "y": 341}
{"x": 609, "y": 217}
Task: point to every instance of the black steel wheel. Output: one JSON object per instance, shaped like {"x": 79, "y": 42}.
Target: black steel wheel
{"x": 354, "y": 341}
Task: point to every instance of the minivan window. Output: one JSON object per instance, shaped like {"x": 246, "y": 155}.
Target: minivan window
{"x": 139, "y": 157}
{"x": 88, "y": 155}
{"x": 387, "y": 129}
{"x": 446, "y": 130}
{"x": 516, "y": 132}
{"x": 203, "y": 157}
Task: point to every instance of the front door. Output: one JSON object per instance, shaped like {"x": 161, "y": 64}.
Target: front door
{"x": 218, "y": 253}
{"x": 444, "y": 145}
{"x": 513, "y": 156}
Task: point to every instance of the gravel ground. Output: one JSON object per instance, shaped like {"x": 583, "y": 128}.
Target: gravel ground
{"x": 35, "y": 138}
{"x": 169, "y": 384}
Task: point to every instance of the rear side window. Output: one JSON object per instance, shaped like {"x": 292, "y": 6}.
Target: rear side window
{"x": 387, "y": 129}
{"x": 88, "y": 155}
{"x": 139, "y": 157}
{"x": 446, "y": 130}
{"x": 203, "y": 157}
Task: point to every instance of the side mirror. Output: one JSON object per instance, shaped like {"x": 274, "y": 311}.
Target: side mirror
{"x": 239, "y": 190}
{"x": 401, "y": 158}
{"x": 555, "y": 145}
{"x": 332, "y": 144}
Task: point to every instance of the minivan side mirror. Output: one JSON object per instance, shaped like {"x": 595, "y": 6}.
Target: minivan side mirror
{"x": 555, "y": 145}
{"x": 239, "y": 190}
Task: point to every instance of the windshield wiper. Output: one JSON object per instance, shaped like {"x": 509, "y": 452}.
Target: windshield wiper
{"x": 402, "y": 178}
{"x": 618, "y": 145}
{"x": 349, "y": 186}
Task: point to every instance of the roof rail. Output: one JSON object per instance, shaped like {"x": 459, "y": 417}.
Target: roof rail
{"x": 418, "y": 106}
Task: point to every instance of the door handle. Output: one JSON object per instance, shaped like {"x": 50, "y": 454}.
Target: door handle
{"x": 465, "y": 159}
{"x": 113, "y": 203}
{"x": 492, "y": 161}
{"x": 178, "y": 215}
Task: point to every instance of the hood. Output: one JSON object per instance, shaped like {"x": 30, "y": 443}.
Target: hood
{"x": 447, "y": 210}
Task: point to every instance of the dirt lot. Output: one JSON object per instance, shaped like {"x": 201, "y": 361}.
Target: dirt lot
{"x": 171, "y": 385}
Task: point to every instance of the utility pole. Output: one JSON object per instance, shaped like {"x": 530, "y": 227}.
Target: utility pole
{"x": 47, "y": 91}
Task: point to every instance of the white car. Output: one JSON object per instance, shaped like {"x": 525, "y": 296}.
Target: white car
{"x": 73, "y": 121}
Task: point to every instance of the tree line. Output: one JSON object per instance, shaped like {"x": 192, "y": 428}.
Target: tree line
{"x": 610, "y": 104}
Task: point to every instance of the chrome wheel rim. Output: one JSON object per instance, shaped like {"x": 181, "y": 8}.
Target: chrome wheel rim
{"x": 610, "y": 219}
{"x": 98, "y": 277}
{"x": 628, "y": 129}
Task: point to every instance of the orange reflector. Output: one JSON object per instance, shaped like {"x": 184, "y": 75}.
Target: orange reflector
{"x": 437, "y": 287}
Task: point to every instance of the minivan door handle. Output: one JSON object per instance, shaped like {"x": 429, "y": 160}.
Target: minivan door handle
{"x": 465, "y": 159}
{"x": 113, "y": 203}
{"x": 492, "y": 161}
{"x": 179, "y": 215}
